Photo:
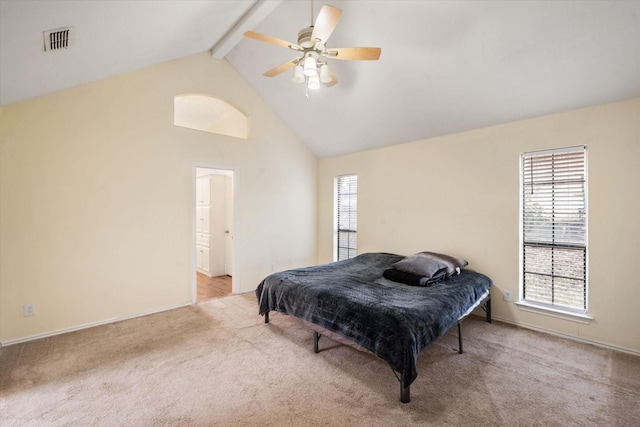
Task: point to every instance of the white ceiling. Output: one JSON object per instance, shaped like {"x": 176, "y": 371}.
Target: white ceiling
{"x": 446, "y": 66}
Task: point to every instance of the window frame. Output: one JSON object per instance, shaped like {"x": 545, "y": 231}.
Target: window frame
{"x": 562, "y": 311}
{"x": 351, "y": 251}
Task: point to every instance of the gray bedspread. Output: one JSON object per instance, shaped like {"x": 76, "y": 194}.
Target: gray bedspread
{"x": 390, "y": 319}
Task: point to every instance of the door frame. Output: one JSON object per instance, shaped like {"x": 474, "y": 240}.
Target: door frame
{"x": 235, "y": 279}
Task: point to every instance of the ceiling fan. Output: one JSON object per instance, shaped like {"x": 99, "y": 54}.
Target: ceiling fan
{"x": 311, "y": 66}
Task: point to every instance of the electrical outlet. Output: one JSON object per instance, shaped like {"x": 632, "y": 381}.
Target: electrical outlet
{"x": 29, "y": 310}
{"x": 506, "y": 295}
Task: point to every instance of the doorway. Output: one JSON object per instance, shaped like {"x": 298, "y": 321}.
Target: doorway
{"x": 214, "y": 232}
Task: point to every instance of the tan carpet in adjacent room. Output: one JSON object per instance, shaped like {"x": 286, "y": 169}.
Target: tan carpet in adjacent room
{"x": 217, "y": 363}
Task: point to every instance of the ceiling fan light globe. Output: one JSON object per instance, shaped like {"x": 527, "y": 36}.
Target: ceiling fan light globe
{"x": 310, "y": 66}
{"x": 314, "y": 82}
{"x": 325, "y": 76}
{"x": 298, "y": 74}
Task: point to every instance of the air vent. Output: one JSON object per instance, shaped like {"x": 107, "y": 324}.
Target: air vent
{"x": 60, "y": 38}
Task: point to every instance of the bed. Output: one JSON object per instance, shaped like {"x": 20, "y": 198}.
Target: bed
{"x": 354, "y": 300}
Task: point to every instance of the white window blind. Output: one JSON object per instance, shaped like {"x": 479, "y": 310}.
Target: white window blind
{"x": 347, "y": 216}
{"x": 554, "y": 228}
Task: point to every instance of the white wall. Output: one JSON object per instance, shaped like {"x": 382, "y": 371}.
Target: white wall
{"x": 96, "y": 197}
{"x": 460, "y": 194}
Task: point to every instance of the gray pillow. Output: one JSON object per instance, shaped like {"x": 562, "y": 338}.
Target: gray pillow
{"x": 454, "y": 264}
{"x": 421, "y": 265}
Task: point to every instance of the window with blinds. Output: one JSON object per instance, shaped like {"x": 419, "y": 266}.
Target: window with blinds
{"x": 346, "y": 213}
{"x": 554, "y": 228}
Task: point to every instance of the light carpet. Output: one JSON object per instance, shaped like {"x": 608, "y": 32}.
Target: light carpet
{"x": 217, "y": 363}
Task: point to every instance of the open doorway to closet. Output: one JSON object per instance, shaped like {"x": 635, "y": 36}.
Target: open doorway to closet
{"x": 214, "y": 240}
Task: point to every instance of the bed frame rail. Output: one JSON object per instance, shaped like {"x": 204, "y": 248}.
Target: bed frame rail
{"x": 405, "y": 389}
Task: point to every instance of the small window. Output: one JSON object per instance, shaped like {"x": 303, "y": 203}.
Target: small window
{"x": 346, "y": 216}
{"x": 554, "y": 229}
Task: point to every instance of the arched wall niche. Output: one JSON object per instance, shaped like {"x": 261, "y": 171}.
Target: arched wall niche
{"x": 209, "y": 114}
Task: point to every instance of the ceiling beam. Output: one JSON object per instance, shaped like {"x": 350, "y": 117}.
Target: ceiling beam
{"x": 252, "y": 17}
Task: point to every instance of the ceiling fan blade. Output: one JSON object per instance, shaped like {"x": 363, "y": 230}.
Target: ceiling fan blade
{"x": 272, "y": 40}
{"x": 326, "y": 22}
{"x": 281, "y": 68}
{"x": 359, "y": 53}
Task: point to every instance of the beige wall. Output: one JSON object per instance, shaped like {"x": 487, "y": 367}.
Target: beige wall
{"x": 96, "y": 197}
{"x": 96, "y": 201}
{"x": 460, "y": 194}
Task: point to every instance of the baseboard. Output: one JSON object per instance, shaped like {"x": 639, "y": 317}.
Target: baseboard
{"x": 119, "y": 319}
{"x": 570, "y": 337}
{"x": 87, "y": 325}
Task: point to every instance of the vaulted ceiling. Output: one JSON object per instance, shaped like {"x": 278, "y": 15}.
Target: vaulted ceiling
{"x": 446, "y": 66}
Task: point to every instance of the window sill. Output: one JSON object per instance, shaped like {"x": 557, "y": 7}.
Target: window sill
{"x": 554, "y": 312}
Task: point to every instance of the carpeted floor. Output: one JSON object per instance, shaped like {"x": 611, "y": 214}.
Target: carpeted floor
{"x": 217, "y": 363}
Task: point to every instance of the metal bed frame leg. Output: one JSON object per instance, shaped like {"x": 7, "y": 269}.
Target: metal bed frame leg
{"x": 316, "y": 338}
{"x": 405, "y": 392}
{"x": 487, "y": 308}
{"x": 266, "y": 317}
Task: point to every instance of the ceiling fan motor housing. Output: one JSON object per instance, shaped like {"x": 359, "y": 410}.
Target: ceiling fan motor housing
{"x": 304, "y": 38}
